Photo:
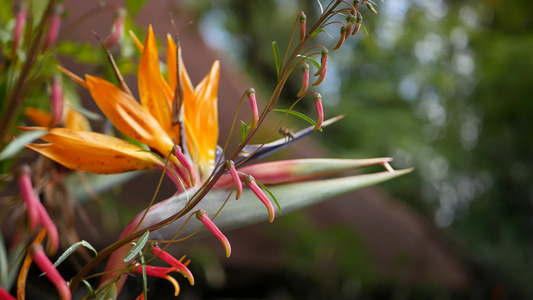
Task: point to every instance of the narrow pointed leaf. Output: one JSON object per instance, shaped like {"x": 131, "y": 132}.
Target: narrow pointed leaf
{"x": 139, "y": 245}
{"x": 280, "y": 144}
{"x": 244, "y": 132}
{"x": 18, "y": 144}
{"x": 247, "y": 211}
{"x": 285, "y": 171}
{"x": 298, "y": 114}
{"x": 276, "y": 56}
{"x": 71, "y": 250}
{"x": 270, "y": 193}
{"x": 312, "y": 60}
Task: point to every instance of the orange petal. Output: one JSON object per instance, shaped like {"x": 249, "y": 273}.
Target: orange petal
{"x": 38, "y": 117}
{"x": 201, "y": 116}
{"x": 75, "y": 120}
{"x": 128, "y": 115}
{"x": 93, "y": 152}
{"x": 151, "y": 88}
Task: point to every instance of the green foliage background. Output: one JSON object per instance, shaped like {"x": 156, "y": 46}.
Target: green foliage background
{"x": 443, "y": 86}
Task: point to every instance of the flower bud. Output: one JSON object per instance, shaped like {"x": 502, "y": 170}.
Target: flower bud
{"x": 250, "y": 181}
{"x": 303, "y": 19}
{"x": 208, "y": 223}
{"x": 371, "y": 8}
{"x": 56, "y": 100}
{"x": 323, "y": 62}
{"x": 305, "y": 80}
{"x": 342, "y": 37}
{"x": 54, "y": 25}
{"x": 160, "y": 272}
{"x": 118, "y": 28}
{"x": 253, "y": 104}
{"x": 230, "y": 165}
{"x": 42, "y": 261}
{"x": 319, "y": 109}
{"x": 358, "y": 23}
{"x": 21, "y": 14}
{"x": 355, "y": 3}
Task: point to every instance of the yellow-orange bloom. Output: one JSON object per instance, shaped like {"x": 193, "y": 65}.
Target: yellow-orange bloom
{"x": 148, "y": 122}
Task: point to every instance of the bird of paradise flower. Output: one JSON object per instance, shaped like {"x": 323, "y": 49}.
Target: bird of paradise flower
{"x": 173, "y": 112}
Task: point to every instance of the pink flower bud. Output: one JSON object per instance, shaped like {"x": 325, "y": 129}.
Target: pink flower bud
{"x": 160, "y": 272}
{"x": 42, "y": 261}
{"x": 208, "y": 223}
{"x": 323, "y": 62}
{"x": 342, "y": 37}
{"x": 118, "y": 28}
{"x": 171, "y": 260}
{"x": 28, "y": 196}
{"x": 358, "y": 23}
{"x": 305, "y": 80}
{"x": 320, "y": 110}
{"x": 253, "y": 104}
{"x": 231, "y": 168}
{"x": 321, "y": 77}
{"x": 303, "y": 19}
{"x": 54, "y": 25}
{"x": 177, "y": 152}
{"x": 355, "y": 4}
{"x": 21, "y": 14}
{"x": 250, "y": 181}
{"x": 56, "y": 100}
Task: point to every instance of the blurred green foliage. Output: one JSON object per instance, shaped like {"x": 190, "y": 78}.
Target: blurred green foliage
{"x": 443, "y": 86}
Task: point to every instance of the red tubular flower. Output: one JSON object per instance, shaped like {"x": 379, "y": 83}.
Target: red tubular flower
{"x": 28, "y": 196}
{"x": 320, "y": 110}
{"x": 177, "y": 152}
{"x": 42, "y": 261}
{"x": 56, "y": 100}
{"x": 321, "y": 77}
{"x": 161, "y": 272}
{"x": 250, "y": 181}
{"x": 231, "y": 168}
{"x": 303, "y": 19}
{"x": 55, "y": 24}
{"x": 253, "y": 104}
{"x": 21, "y": 14}
{"x": 36, "y": 211}
{"x": 171, "y": 260}
{"x": 118, "y": 28}
{"x": 202, "y": 216}
{"x": 5, "y": 295}
{"x": 305, "y": 80}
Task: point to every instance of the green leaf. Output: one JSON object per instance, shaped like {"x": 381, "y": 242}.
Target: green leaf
{"x": 20, "y": 142}
{"x": 145, "y": 282}
{"x": 3, "y": 264}
{"x": 298, "y": 114}
{"x": 276, "y": 56}
{"x": 71, "y": 250}
{"x": 312, "y": 60}
{"x": 364, "y": 28}
{"x": 139, "y": 245}
{"x": 246, "y": 211}
{"x": 134, "y": 6}
{"x": 244, "y": 131}
{"x": 89, "y": 287}
{"x": 270, "y": 193}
